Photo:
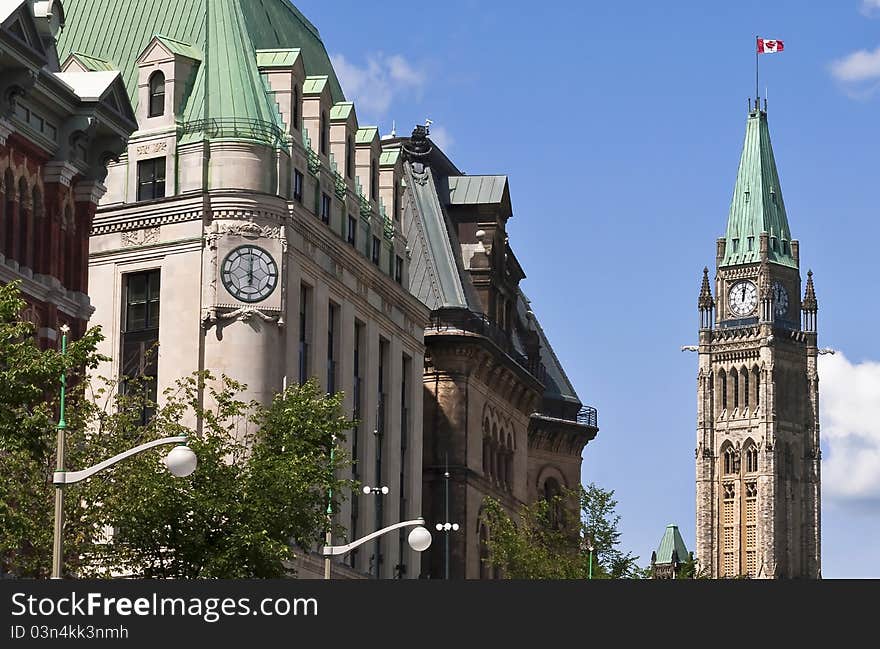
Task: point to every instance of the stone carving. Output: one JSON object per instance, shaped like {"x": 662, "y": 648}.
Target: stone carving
{"x": 136, "y": 238}
{"x": 251, "y": 230}
{"x": 243, "y": 314}
{"x": 155, "y": 147}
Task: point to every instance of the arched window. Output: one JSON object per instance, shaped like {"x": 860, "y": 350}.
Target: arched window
{"x": 25, "y": 226}
{"x": 723, "y": 384}
{"x": 552, "y": 494}
{"x": 157, "y": 95}
{"x": 756, "y": 375}
{"x": 39, "y": 232}
{"x": 745, "y": 387}
{"x": 374, "y": 180}
{"x": 751, "y": 454}
{"x": 349, "y": 158}
{"x": 729, "y": 461}
{"x": 8, "y": 228}
{"x": 734, "y": 380}
{"x": 324, "y": 136}
{"x": 295, "y": 116}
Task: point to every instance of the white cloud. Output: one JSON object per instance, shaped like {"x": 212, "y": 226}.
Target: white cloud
{"x": 870, "y": 7}
{"x": 858, "y": 73}
{"x": 862, "y": 65}
{"x": 849, "y": 406}
{"x": 442, "y": 138}
{"x": 376, "y": 84}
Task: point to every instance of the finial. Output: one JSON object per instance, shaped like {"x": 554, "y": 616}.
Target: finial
{"x": 810, "y": 303}
{"x": 393, "y": 128}
{"x": 706, "y": 301}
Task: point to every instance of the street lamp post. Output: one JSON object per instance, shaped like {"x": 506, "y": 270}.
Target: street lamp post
{"x": 419, "y": 538}
{"x": 377, "y": 491}
{"x": 447, "y": 526}
{"x": 180, "y": 461}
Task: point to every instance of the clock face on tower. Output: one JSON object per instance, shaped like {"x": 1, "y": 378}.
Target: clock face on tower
{"x": 780, "y": 299}
{"x": 743, "y": 298}
{"x": 249, "y": 274}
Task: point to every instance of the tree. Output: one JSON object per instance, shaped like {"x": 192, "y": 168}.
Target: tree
{"x": 550, "y": 538}
{"x": 261, "y": 486}
{"x": 29, "y": 390}
{"x": 262, "y": 483}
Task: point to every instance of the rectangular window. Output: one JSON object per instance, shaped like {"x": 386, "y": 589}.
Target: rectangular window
{"x": 357, "y": 394}
{"x": 298, "y": 185}
{"x": 380, "y": 443}
{"x": 404, "y": 434}
{"x": 751, "y": 243}
{"x": 376, "y": 252}
{"x": 351, "y": 235}
{"x": 325, "y": 208}
{"x": 305, "y": 322}
{"x": 398, "y": 269}
{"x": 151, "y": 179}
{"x": 332, "y": 346}
{"x": 140, "y": 339}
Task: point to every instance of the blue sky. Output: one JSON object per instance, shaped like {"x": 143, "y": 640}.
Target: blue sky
{"x": 620, "y": 127}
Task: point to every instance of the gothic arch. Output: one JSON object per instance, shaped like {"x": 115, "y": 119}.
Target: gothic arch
{"x": 728, "y": 458}
{"x": 722, "y": 391}
{"x": 745, "y": 400}
{"x": 750, "y": 456}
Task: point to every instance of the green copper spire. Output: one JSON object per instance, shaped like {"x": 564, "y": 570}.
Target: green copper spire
{"x": 757, "y": 204}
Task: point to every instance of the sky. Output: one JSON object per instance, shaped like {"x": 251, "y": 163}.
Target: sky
{"x": 620, "y": 127}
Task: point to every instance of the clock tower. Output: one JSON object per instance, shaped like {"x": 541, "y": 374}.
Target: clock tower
{"x": 757, "y": 454}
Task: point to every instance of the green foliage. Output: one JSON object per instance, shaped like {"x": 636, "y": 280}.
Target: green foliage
{"x": 550, "y": 539}
{"x": 262, "y": 483}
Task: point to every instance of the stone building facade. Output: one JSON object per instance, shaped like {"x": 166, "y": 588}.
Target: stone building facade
{"x": 254, "y": 227}
{"x": 501, "y": 418}
{"x": 757, "y": 455}
{"x": 249, "y": 229}
{"x": 57, "y": 133}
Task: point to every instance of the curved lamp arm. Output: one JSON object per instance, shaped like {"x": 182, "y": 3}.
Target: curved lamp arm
{"x": 333, "y": 550}
{"x": 70, "y": 477}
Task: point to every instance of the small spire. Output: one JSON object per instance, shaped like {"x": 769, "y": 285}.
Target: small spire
{"x": 810, "y": 304}
{"x": 705, "y": 301}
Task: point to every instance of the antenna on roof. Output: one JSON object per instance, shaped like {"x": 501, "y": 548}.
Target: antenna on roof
{"x": 393, "y": 128}
{"x": 428, "y": 123}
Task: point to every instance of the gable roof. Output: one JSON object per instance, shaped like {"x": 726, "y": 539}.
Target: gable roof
{"x": 179, "y": 47}
{"x": 91, "y": 63}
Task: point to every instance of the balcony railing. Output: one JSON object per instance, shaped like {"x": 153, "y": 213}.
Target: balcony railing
{"x": 588, "y": 416}
{"x": 443, "y": 320}
{"x": 250, "y": 129}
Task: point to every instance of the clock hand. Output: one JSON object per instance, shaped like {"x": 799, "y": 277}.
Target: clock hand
{"x": 251, "y": 270}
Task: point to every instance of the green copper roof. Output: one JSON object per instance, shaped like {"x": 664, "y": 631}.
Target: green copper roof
{"x": 366, "y": 134}
{"x": 119, "y": 30}
{"x": 277, "y": 58}
{"x": 389, "y": 157}
{"x": 757, "y": 204}
{"x": 671, "y": 541}
{"x": 314, "y": 85}
{"x": 93, "y": 63}
{"x": 475, "y": 190}
{"x": 341, "y": 111}
{"x": 179, "y": 47}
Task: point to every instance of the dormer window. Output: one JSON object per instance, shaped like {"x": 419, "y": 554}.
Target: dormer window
{"x": 157, "y": 95}
{"x": 751, "y": 243}
{"x": 735, "y": 245}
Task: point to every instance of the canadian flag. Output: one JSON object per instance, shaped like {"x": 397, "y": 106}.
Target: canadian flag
{"x": 766, "y": 46}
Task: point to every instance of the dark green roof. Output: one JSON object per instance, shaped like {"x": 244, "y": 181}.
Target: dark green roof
{"x": 119, "y": 30}
{"x": 757, "y": 204}
{"x": 671, "y": 541}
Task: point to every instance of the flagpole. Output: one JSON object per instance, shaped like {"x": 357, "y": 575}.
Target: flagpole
{"x": 757, "y": 84}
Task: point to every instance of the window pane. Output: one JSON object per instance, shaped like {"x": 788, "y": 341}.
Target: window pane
{"x": 137, "y": 288}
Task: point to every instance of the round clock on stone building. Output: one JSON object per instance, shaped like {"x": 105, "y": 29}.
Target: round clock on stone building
{"x": 743, "y": 298}
{"x": 249, "y": 274}
{"x": 780, "y": 299}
